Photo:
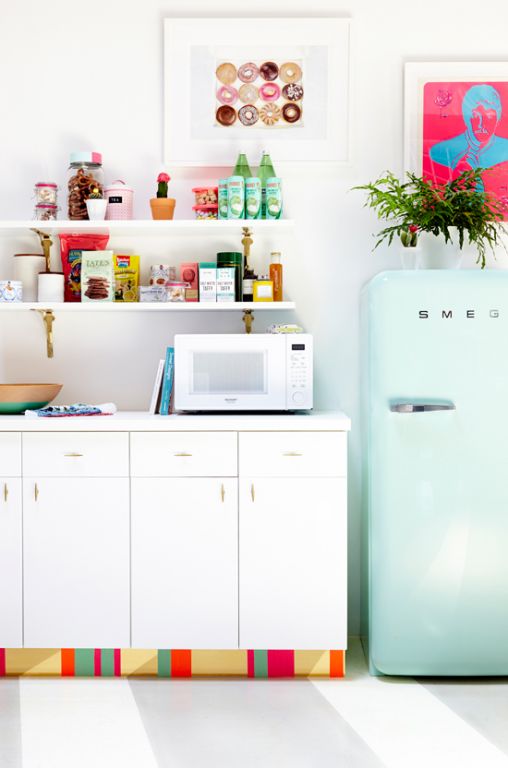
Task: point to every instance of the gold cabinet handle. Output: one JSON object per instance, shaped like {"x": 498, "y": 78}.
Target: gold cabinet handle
{"x": 182, "y": 453}
{"x": 222, "y": 492}
{"x": 73, "y": 455}
{"x": 292, "y": 453}
{"x": 36, "y": 491}
{"x": 6, "y": 492}
{"x": 252, "y": 492}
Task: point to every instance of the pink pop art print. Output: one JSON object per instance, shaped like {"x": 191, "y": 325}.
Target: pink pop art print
{"x": 465, "y": 126}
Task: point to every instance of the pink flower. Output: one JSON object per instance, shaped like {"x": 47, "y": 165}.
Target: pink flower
{"x": 163, "y": 177}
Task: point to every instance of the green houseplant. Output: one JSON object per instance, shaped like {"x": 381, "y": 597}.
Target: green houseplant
{"x": 459, "y": 209}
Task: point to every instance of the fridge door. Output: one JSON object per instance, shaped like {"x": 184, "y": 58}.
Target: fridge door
{"x": 437, "y": 435}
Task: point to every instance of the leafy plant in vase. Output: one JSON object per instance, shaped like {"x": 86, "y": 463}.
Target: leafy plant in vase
{"x": 163, "y": 207}
{"x": 437, "y": 215}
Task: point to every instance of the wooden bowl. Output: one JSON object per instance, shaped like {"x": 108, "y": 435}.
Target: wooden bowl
{"x": 18, "y": 398}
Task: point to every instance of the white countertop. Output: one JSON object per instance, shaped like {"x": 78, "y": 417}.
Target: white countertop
{"x": 140, "y": 421}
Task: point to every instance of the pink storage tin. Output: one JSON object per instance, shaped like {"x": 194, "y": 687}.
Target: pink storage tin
{"x": 120, "y": 201}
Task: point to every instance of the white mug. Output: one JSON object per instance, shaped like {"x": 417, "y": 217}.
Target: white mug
{"x": 51, "y": 286}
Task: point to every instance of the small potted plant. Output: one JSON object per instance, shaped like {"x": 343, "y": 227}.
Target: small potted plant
{"x": 96, "y": 205}
{"x": 442, "y": 217}
{"x": 162, "y": 206}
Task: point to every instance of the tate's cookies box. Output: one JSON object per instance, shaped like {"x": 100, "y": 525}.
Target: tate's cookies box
{"x": 97, "y": 276}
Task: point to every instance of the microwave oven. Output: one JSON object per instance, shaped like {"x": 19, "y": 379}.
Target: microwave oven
{"x": 243, "y": 372}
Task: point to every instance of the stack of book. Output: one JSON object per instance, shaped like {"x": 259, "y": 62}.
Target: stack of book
{"x": 163, "y": 385}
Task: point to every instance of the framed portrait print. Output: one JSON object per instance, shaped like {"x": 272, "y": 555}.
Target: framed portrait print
{"x": 456, "y": 119}
{"x": 256, "y": 83}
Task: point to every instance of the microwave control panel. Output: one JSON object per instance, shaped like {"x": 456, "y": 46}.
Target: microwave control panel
{"x": 299, "y": 368}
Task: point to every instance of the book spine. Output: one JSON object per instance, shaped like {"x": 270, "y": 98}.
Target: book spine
{"x": 167, "y": 385}
{"x": 156, "y": 388}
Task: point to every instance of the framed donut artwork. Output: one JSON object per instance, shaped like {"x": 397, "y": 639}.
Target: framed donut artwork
{"x": 278, "y": 84}
{"x": 265, "y": 94}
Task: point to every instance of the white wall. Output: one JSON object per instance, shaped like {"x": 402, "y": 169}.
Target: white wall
{"x": 89, "y": 75}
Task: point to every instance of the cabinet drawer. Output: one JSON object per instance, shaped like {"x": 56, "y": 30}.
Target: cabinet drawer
{"x": 76, "y": 454}
{"x": 10, "y": 454}
{"x": 184, "y": 454}
{"x": 293, "y": 454}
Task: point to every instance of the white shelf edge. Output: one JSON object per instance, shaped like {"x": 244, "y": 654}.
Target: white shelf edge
{"x": 147, "y": 226}
{"x": 273, "y": 306}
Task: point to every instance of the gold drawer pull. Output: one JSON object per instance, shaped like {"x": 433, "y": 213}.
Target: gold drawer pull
{"x": 252, "y": 492}
{"x": 222, "y": 492}
{"x": 292, "y": 453}
{"x": 182, "y": 453}
{"x": 73, "y": 455}
{"x": 6, "y": 492}
{"x": 36, "y": 491}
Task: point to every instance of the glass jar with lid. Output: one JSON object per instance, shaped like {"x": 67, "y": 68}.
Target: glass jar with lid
{"x": 46, "y": 192}
{"x": 85, "y": 175}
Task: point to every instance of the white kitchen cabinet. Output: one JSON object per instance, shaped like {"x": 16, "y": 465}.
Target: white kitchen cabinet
{"x": 76, "y": 454}
{"x": 76, "y": 562}
{"x": 292, "y": 534}
{"x": 184, "y": 563}
{"x": 11, "y": 621}
{"x": 10, "y": 454}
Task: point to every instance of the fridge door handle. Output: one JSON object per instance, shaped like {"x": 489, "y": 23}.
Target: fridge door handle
{"x": 421, "y": 407}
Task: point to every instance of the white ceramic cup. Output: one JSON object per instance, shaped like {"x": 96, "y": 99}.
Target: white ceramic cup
{"x": 96, "y": 209}
{"x": 51, "y": 287}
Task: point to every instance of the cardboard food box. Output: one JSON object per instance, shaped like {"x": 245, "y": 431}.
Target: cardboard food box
{"x": 97, "y": 276}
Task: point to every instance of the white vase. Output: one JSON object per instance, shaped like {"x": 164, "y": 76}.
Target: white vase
{"x": 96, "y": 209}
{"x": 410, "y": 257}
{"x": 438, "y": 254}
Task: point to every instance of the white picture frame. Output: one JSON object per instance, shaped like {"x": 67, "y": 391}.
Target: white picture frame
{"x": 192, "y": 46}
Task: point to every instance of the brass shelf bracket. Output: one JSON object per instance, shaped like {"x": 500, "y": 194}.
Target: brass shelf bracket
{"x": 248, "y": 319}
{"x": 46, "y": 243}
{"x": 48, "y": 318}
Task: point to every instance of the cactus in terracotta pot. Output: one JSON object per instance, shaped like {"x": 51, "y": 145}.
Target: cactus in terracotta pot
{"x": 162, "y": 206}
{"x": 162, "y": 184}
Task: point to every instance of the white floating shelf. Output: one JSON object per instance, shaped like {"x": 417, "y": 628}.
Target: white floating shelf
{"x": 176, "y": 306}
{"x": 147, "y": 227}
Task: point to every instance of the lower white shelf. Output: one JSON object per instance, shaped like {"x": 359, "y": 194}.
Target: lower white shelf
{"x": 176, "y": 306}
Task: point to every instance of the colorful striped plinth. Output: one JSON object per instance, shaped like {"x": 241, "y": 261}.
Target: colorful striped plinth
{"x": 116, "y": 662}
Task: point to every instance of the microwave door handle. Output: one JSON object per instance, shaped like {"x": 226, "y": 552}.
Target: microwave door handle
{"x": 421, "y": 407}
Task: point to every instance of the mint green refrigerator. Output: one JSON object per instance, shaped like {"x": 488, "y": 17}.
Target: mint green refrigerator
{"x": 435, "y": 408}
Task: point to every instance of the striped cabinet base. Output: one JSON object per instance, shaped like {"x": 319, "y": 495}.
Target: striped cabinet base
{"x": 116, "y": 662}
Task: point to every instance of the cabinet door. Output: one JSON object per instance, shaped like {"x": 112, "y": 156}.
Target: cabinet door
{"x": 184, "y": 563}
{"x": 76, "y": 562}
{"x": 11, "y": 634}
{"x": 293, "y": 563}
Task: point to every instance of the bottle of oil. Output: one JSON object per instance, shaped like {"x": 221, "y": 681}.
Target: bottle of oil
{"x": 276, "y": 275}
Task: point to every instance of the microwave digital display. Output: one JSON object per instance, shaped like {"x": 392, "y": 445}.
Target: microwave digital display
{"x": 298, "y": 347}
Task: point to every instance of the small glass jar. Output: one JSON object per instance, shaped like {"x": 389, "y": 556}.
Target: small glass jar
{"x": 45, "y": 212}
{"x": 85, "y": 175}
{"x": 263, "y": 289}
{"x": 162, "y": 274}
{"x": 45, "y": 192}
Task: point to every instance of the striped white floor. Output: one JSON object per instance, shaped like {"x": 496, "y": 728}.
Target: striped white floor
{"x": 360, "y": 722}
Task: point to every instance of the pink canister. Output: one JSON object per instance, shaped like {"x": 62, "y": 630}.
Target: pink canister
{"x": 120, "y": 199}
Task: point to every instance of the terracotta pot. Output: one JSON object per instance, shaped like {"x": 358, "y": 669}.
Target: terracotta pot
{"x": 162, "y": 207}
